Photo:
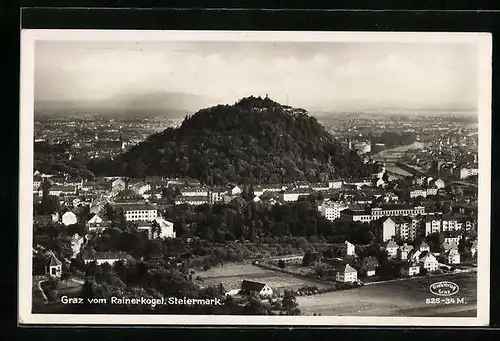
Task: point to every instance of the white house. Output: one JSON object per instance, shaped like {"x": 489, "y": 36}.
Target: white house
{"x": 53, "y": 266}
{"x": 452, "y": 256}
{"x": 388, "y": 229}
{"x": 236, "y": 190}
{"x": 428, "y": 261}
{"x": 453, "y": 239}
{"x": 404, "y": 250}
{"x": 432, "y": 191}
{"x": 194, "y": 192}
{"x": 69, "y": 218}
{"x": 335, "y": 184}
{"x": 392, "y": 248}
{"x": 418, "y": 193}
{"x": 331, "y": 210}
{"x": 439, "y": 183}
{"x": 294, "y": 195}
{"x": 118, "y": 184}
{"x": 166, "y": 228}
{"x": 138, "y": 211}
{"x": 347, "y": 274}
{"x": 140, "y": 188}
{"x": 350, "y": 248}
{"x": 96, "y": 219}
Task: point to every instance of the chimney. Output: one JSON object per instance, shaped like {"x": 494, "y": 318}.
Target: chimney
{"x": 126, "y": 183}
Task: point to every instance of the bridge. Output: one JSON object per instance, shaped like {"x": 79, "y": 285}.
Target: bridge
{"x": 416, "y": 171}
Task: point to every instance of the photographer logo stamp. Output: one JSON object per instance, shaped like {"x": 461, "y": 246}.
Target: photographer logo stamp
{"x": 444, "y": 288}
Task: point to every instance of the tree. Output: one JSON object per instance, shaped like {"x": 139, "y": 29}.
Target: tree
{"x": 109, "y": 212}
{"x": 307, "y": 259}
{"x": 281, "y": 264}
{"x": 289, "y": 303}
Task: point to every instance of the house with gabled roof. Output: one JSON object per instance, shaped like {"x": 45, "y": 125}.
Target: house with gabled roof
{"x": 413, "y": 255}
{"x": 347, "y": 274}
{"x": 369, "y": 266}
{"x": 53, "y": 266}
{"x": 448, "y": 246}
{"x": 95, "y": 220}
{"x": 261, "y": 289}
{"x": 392, "y": 248}
{"x": 404, "y": 250}
{"x": 423, "y": 246}
{"x": 452, "y": 256}
{"x": 428, "y": 261}
{"x": 410, "y": 269}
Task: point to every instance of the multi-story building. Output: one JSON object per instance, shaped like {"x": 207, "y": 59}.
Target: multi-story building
{"x": 388, "y": 229}
{"x": 138, "y": 211}
{"x": 192, "y": 200}
{"x": 396, "y": 210}
{"x": 362, "y": 216}
{"x": 465, "y": 172}
{"x": 194, "y": 191}
{"x": 431, "y": 191}
{"x": 331, "y": 210}
{"x": 449, "y": 223}
{"x": 293, "y": 195}
{"x": 418, "y": 193}
{"x": 335, "y": 184}
{"x": 216, "y": 195}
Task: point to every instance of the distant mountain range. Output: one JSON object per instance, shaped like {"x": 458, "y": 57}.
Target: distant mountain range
{"x": 172, "y": 105}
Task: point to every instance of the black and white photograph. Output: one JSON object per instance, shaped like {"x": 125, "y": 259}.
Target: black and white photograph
{"x": 254, "y": 178}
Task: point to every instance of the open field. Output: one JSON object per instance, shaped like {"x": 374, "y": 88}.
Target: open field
{"x": 231, "y": 276}
{"x": 399, "y": 298}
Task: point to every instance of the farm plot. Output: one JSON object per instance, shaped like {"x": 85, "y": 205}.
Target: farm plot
{"x": 231, "y": 276}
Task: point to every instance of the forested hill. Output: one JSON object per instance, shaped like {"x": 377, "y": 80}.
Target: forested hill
{"x": 253, "y": 141}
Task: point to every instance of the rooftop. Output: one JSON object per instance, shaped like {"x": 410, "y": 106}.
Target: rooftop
{"x": 252, "y": 286}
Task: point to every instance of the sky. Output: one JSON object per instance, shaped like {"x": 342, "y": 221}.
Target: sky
{"x": 315, "y": 76}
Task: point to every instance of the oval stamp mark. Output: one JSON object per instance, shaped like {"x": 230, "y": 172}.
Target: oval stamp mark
{"x": 444, "y": 288}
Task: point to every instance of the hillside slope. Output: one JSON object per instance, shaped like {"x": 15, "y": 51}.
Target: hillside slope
{"x": 253, "y": 141}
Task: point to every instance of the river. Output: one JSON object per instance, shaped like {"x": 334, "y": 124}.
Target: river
{"x": 390, "y": 156}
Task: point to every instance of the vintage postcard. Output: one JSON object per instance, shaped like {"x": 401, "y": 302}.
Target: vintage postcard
{"x": 254, "y": 178}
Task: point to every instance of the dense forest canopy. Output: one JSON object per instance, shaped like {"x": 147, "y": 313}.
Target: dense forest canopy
{"x": 253, "y": 141}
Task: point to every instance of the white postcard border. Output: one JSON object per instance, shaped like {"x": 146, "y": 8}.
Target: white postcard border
{"x": 28, "y": 39}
